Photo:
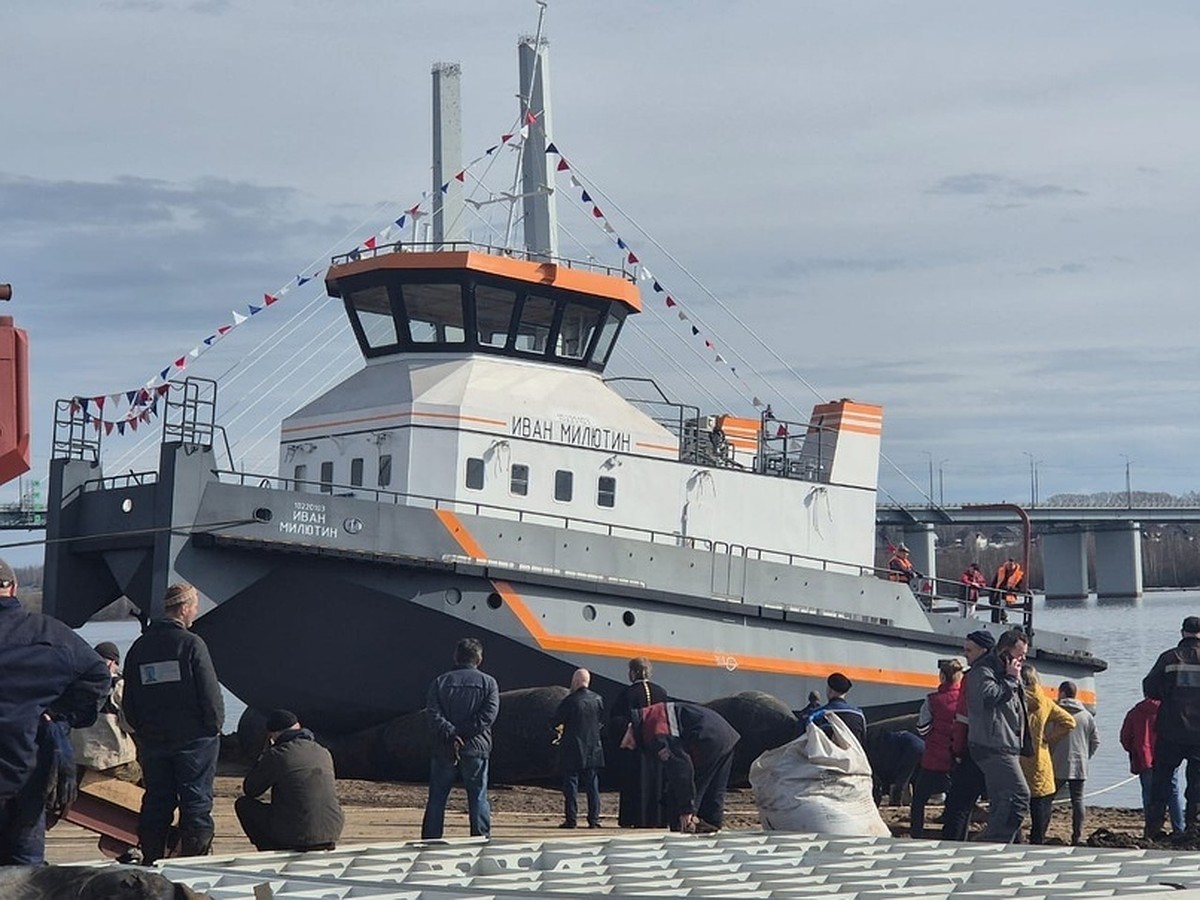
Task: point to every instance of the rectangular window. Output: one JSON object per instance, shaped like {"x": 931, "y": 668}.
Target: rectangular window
{"x": 435, "y": 313}
{"x": 299, "y": 476}
{"x": 564, "y": 485}
{"x": 385, "y": 469}
{"x": 533, "y": 331}
{"x": 493, "y": 314}
{"x": 374, "y": 311}
{"x": 475, "y": 473}
{"x": 326, "y": 478}
{"x": 356, "y": 471}
{"x": 519, "y": 480}
{"x": 606, "y": 491}
{"x": 575, "y": 332}
{"x": 608, "y": 334}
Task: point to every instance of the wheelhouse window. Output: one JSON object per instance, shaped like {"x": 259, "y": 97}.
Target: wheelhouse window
{"x": 435, "y": 313}
{"x": 518, "y": 482}
{"x": 579, "y": 323}
{"x": 373, "y": 309}
{"x": 608, "y": 335}
{"x": 326, "y": 478}
{"x": 606, "y": 491}
{"x": 493, "y": 314}
{"x": 564, "y": 485}
{"x": 533, "y": 330}
{"x": 475, "y": 473}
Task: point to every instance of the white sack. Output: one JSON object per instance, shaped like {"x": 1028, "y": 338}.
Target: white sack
{"x": 817, "y": 784}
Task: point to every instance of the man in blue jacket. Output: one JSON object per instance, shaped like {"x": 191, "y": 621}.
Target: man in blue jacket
{"x": 173, "y": 704}
{"x": 462, "y": 706}
{"x": 47, "y": 672}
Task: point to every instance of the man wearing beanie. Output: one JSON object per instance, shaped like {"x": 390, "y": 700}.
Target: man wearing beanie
{"x": 49, "y": 679}
{"x": 837, "y": 686}
{"x": 173, "y": 703}
{"x": 966, "y": 780}
{"x": 107, "y": 746}
{"x": 1175, "y": 680}
{"x": 303, "y": 812}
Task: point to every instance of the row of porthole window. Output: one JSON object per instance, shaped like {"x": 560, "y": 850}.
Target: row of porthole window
{"x": 564, "y": 483}
{"x": 383, "y": 474}
{"x": 495, "y": 601}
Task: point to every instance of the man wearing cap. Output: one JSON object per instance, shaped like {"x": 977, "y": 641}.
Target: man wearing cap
{"x": 107, "y": 746}
{"x": 998, "y": 733}
{"x": 303, "y": 812}
{"x": 966, "y": 780}
{"x": 173, "y": 703}
{"x": 1175, "y": 680}
{"x": 837, "y": 686}
{"x": 48, "y": 676}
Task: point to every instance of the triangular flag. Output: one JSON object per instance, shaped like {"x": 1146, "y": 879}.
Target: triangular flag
{"x": 461, "y": 176}
{"x": 492, "y": 149}
{"x": 115, "y": 398}
{"x": 254, "y": 310}
{"x": 585, "y": 197}
{"x": 160, "y": 390}
{"x": 658, "y": 288}
{"x": 133, "y": 423}
{"x": 445, "y": 187}
{"x": 562, "y": 165}
{"x": 163, "y": 374}
{"x": 416, "y": 209}
{"x": 108, "y": 426}
{"x": 550, "y": 148}
{"x": 756, "y": 402}
{"x": 781, "y": 431}
{"x": 74, "y": 406}
{"x": 120, "y": 428}
{"x": 369, "y": 243}
{"x": 223, "y": 330}
{"x": 400, "y": 222}
{"x": 719, "y": 358}
{"x": 708, "y": 343}
{"x": 99, "y": 401}
{"x": 95, "y": 424}
{"x": 524, "y": 132}
{"x": 286, "y": 289}
{"x": 682, "y": 316}
{"x": 129, "y": 395}
{"x": 354, "y": 254}
{"x": 608, "y": 229}
{"x": 530, "y": 117}
{"x": 181, "y": 362}
{"x": 238, "y": 318}
{"x": 695, "y": 330}
{"x": 268, "y": 299}
{"x": 622, "y": 244}
{"x": 505, "y": 138}
{"x": 301, "y": 280}
{"x": 194, "y": 352}
{"x": 596, "y": 212}
{"x": 575, "y": 182}
{"x": 633, "y": 260}
{"x": 671, "y": 301}
{"x": 210, "y": 340}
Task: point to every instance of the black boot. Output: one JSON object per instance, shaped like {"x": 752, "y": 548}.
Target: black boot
{"x": 154, "y": 846}
{"x": 195, "y": 841}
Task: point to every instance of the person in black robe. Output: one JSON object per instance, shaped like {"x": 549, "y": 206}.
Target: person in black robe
{"x": 639, "y": 774}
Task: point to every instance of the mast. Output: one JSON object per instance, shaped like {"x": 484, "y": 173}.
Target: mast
{"x": 537, "y": 182}
{"x": 447, "y": 154}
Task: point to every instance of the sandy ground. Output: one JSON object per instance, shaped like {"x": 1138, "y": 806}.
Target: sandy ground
{"x": 389, "y": 812}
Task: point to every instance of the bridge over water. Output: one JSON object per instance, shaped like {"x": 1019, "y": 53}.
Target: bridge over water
{"x": 1062, "y": 533}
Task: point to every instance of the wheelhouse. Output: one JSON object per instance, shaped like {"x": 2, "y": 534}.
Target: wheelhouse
{"x": 410, "y": 299}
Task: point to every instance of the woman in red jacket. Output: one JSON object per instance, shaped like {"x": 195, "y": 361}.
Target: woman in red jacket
{"x": 935, "y": 723}
{"x": 1137, "y": 737}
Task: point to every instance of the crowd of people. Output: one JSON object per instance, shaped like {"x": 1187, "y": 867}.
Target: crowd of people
{"x": 989, "y": 730}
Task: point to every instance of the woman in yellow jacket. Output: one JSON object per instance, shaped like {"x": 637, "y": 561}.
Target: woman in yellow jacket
{"x": 1048, "y": 724}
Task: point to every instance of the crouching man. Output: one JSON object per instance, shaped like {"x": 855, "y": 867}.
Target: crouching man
{"x": 303, "y": 813}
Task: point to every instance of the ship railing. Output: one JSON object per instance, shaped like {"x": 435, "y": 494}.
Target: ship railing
{"x": 950, "y": 595}
{"x": 520, "y": 253}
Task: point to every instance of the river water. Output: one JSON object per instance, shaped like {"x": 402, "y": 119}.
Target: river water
{"x": 1129, "y": 635}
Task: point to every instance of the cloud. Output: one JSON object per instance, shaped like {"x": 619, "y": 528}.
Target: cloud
{"x": 988, "y": 184}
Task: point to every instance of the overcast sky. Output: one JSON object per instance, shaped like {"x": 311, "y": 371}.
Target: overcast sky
{"x": 983, "y": 217}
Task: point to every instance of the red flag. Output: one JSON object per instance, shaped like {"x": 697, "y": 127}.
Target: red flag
{"x": 781, "y": 431}
{"x": 530, "y": 118}
{"x": 562, "y": 165}
{"x": 633, "y": 260}
{"x": 108, "y": 427}
{"x": 596, "y": 212}
{"x": 162, "y": 389}
{"x": 505, "y": 138}
{"x": 416, "y": 209}
{"x": 461, "y": 176}
{"x": 225, "y": 329}
{"x": 133, "y": 423}
{"x": 181, "y": 362}
{"x": 708, "y": 343}
{"x": 268, "y": 299}
{"x": 99, "y": 401}
{"x": 369, "y": 243}
{"x": 670, "y": 301}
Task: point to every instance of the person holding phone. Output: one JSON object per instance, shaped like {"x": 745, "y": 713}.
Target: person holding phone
{"x": 998, "y": 733}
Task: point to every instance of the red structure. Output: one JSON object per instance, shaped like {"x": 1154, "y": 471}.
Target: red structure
{"x": 14, "y": 396}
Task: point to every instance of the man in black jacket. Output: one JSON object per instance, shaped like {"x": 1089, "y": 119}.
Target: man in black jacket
{"x": 47, "y": 672}
{"x": 1175, "y": 680}
{"x": 462, "y": 706}
{"x": 581, "y": 754}
{"x": 303, "y": 813}
{"x": 173, "y": 704}
{"x": 696, "y": 748}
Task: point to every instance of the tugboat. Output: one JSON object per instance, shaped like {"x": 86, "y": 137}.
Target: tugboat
{"x": 479, "y": 475}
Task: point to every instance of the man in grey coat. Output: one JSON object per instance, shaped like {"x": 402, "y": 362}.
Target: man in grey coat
{"x": 1072, "y": 752}
{"x": 998, "y": 733}
{"x": 579, "y": 718}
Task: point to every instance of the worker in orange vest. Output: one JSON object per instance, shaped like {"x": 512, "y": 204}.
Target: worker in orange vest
{"x": 1005, "y": 589}
{"x": 900, "y": 567}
